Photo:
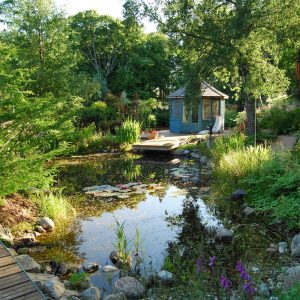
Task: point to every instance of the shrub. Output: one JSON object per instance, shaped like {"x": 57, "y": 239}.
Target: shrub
{"x": 230, "y": 118}
{"x": 280, "y": 121}
{"x": 129, "y": 132}
{"x": 98, "y": 143}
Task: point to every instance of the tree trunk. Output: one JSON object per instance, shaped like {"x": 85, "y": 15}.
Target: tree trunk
{"x": 251, "y": 115}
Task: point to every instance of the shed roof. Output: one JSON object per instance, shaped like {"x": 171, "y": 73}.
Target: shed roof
{"x": 207, "y": 91}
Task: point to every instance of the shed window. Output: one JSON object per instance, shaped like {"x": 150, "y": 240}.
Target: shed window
{"x": 186, "y": 113}
{"x": 210, "y": 109}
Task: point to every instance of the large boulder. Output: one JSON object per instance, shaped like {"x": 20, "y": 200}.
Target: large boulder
{"x": 223, "y": 235}
{"x": 295, "y": 245}
{"x": 291, "y": 277}
{"x": 117, "y": 296}
{"x": 91, "y": 293}
{"x": 28, "y": 263}
{"x": 54, "y": 288}
{"x": 131, "y": 287}
{"x": 6, "y": 236}
{"x": 46, "y": 223}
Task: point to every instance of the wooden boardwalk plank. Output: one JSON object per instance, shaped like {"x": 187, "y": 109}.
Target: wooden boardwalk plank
{"x": 14, "y": 283}
{"x": 12, "y": 280}
{"x": 7, "y": 260}
{"x": 18, "y": 291}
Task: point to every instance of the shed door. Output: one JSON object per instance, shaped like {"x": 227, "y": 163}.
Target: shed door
{"x": 190, "y": 117}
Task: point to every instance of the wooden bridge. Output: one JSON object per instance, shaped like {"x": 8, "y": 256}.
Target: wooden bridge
{"x": 14, "y": 282}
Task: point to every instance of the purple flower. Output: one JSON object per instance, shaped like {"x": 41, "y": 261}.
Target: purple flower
{"x": 248, "y": 288}
{"x": 212, "y": 261}
{"x": 240, "y": 267}
{"x": 200, "y": 265}
{"x": 225, "y": 282}
{"x": 244, "y": 275}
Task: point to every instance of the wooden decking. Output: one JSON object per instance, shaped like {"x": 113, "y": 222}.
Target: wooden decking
{"x": 166, "y": 141}
{"x": 14, "y": 282}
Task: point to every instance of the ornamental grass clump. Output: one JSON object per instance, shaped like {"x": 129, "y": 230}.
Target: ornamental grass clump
{"x": 129, "y": 132}
{"x": 237, "y": 164}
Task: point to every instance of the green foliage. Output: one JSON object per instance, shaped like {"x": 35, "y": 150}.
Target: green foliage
{"x": 238, "y": 164}
{"x": 129, "y": 132}
{"x": 292, "y": 294}
{"x": 275, "y": 190}
{"x": 55, "y": 206}
{"x": 224, "y": 144}
{"x": 188, "y": 147}
{"x": 280, "y": 121}
{"x": 78, "y": 277}
{"x": 230, "y": 118}
{"x": 97, "y": 143}
{"x": 147, "y": 112}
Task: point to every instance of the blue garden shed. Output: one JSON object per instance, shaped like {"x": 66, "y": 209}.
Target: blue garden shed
{"x": 193, "y": 117}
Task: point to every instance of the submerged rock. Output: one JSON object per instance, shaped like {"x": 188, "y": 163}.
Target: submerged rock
{"x": 46, "y": 223}
{"x": 131, "y": 287}
{"x": 166, "y": 277}
{"x": 295, "y": 245}
{"x": 203, "y": 160}
{"x": 223, "y": 235}
{"x": 91, "y": 293}
{"x": 28, "y": 263}
{"x": 90, "y": 267}
{"x": 186, "y": 152}
{"x": 117, "y": 259}
{"x": 108, "y": 269}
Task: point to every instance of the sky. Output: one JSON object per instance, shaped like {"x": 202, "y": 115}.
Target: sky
{"x": 108, "y": 7}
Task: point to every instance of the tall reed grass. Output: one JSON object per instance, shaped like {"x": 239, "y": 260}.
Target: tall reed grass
{"x": 237, "y": 164}
{"x": 129, "y": 132}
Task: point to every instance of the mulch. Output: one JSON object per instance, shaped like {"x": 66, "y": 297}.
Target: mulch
{"x": 17, "y": 209}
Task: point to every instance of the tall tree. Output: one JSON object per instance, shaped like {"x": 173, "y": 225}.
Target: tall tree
{"x": 102, "y": 43}
{"x": 235, "y": 39}
{"x": 39, "y": 30}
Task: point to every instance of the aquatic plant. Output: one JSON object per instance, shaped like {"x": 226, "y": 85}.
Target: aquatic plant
{"x": 129, "y": 132}
{"x": 78, "y": 277}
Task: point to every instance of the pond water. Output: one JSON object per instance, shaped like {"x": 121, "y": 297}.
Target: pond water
{"x": 174, "y": 215}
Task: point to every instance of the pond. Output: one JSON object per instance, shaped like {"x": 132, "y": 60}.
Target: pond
{"x": 172, "y": 216}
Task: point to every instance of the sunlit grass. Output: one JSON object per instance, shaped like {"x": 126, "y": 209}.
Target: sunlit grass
{"x": 55, "y": 206}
